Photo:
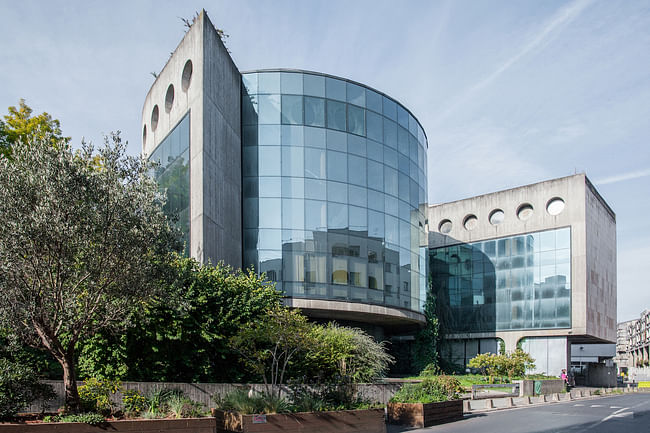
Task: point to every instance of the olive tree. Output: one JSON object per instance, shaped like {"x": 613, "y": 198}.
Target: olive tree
{"x": 83, "y": 240}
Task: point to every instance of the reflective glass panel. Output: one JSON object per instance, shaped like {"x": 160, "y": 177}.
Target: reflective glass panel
{"x": 335, "y": 89}
{"x": 292, "y": 109}
{"x": 356, "y": 95}
{"x": 314, "y": 111}
{"x": 314, "y": 85}
{"x": 356, "y": 121}
{"x": 336, "y": 115}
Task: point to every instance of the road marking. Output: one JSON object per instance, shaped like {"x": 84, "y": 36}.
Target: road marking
{"x": 596, "y": 405}
{"x": 578, "y": 404}
{"x": 618, "y": 414}
{"x": 615, "y": 407}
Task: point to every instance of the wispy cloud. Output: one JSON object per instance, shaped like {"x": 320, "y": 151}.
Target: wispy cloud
{"x": 622, "y": 177}
{"x": 560, "y": 20}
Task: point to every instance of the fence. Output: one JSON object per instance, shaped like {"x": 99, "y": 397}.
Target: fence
{"x": 494, "y": 391}
{"x": 203, "y": 392}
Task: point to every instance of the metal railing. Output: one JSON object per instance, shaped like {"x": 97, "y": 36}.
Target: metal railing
{"x": 496, "y": 390}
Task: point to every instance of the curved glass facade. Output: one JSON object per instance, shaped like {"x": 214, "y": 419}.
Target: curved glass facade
{"x": 334, "y": 184}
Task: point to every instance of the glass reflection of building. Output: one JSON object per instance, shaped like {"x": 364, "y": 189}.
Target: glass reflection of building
{"x": 173, "y": 175}
{"x": 510, "y": 283}
{"x": 334, "y": 186}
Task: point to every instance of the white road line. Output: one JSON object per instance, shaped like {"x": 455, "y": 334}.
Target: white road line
{"x": 578, "y": 404}
{"x": 617, "y": 414}
{"x": 596, "y": 405}
{"x": 615, "y": 407}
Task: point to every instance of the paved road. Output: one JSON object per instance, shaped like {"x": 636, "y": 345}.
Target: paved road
{"x": 627, "y": 413}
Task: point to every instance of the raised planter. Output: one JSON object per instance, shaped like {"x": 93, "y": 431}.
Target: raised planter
{"x": 185, "y": 425}
{"x": 425, "y": 414}
{"x": 343, "y": 421}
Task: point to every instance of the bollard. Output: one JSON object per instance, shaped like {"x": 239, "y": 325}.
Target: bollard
{"x": 542, "y": 398}
{"x": 509, "y": 402}
{"x": 556, "y": 397}
{"x": 466, "y": 406}
{"x": 489, "y": 404}
{"x": 528, "y": 400}
{"x": 570, "y": 396}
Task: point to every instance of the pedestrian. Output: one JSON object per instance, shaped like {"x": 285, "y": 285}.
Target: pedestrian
{"x": 565, "y": 378}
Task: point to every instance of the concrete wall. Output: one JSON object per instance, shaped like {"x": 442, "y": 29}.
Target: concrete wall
{"x": 221, "y": 218}
{"x": 213, "y": 100}
{"x": 601, "y": 266}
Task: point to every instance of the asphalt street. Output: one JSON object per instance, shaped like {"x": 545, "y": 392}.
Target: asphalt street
{"x": 627, "y": 413}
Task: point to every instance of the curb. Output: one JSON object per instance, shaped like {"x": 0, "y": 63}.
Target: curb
{"x": 509, "y": 403}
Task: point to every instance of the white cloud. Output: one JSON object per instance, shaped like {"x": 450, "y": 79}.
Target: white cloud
{"x": 560, "y": 20}
{"x": 623, "y": 177}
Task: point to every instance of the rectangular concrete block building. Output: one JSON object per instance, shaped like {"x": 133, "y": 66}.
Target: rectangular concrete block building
{"x": 531, "y": 267}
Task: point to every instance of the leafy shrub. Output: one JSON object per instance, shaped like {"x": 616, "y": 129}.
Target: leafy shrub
{"x": 182, "y": 407}
{"x": 430, "y": 390}
{"x": 249, "y": 402}
{"x": 338, "y": 394}
{"x": 95, "y": 395}
{"x": 157, "y": 402}
{"x": 344, "y": 351}
{"x": 19, "y": 387}
{"x": 88, "y": 418}
{"x": 133, "y": 402}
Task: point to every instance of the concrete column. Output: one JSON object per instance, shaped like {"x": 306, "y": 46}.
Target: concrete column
{"x": 510, "y": 342}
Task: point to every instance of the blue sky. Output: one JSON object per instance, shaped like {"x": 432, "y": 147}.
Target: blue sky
{"x": 509, "y": 92}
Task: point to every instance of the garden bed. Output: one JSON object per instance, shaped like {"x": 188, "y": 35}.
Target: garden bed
{"x": 344, "y": 421}
{"x": 186, "y": 425}
{"x": 425, "y": 414}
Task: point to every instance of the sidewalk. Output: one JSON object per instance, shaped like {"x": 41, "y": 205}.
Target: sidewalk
{"x": 491, "y": 404}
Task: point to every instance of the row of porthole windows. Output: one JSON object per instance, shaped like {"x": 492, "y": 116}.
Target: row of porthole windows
{"x": 186, "y": 78}
{"x": 554, "y": 207}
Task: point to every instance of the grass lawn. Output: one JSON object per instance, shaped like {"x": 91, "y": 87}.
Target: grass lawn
{"x": 467, "y": 380}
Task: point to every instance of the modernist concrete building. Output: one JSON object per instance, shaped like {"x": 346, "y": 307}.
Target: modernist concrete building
{"x": 321, "y": 182}
{"x": 532, "y": 266}
{"x": 638, "y": 340}
{"x": 316, "y": 180}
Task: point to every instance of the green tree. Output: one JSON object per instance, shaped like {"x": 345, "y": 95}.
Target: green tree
{"x": 20, "y": 126}
{"x": 268, "y": 345}
{"x": 81, "y": 244}
{"x": 488, "y": 363}
{"x": 182, "y": 336}
{"x": 343, "y": 352}
{"x": 426, "y": 340}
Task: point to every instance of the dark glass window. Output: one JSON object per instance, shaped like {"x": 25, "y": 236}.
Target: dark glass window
{"x": 336, "y": 115}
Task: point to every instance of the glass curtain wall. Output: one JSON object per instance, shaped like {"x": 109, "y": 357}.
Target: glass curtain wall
{"x": 510, "y": 283}
{"x": 173, "y": 175}
{"x": 334, "y": 189}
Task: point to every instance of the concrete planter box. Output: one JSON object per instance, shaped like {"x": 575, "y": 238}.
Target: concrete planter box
{"x": 186, "y": 425}
{"x": 425, "y": 414}
{"x": 344, "y": 421}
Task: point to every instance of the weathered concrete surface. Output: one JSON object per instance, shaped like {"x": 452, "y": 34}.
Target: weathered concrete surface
{"x": 213, "y": 101}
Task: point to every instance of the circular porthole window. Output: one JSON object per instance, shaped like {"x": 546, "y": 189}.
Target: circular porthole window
{"x": 555, "y": 206}
{"x": 144, "y": 134}
{"x": 169, "y": 98}
{"x": 525, "y": 211}
{"x": 444, "y": 226}
{"x": 470, "y": 222}
{"x": 496, "y": 217}
{"x": 187, "y": 76}
{"x": 154, "y": 118}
